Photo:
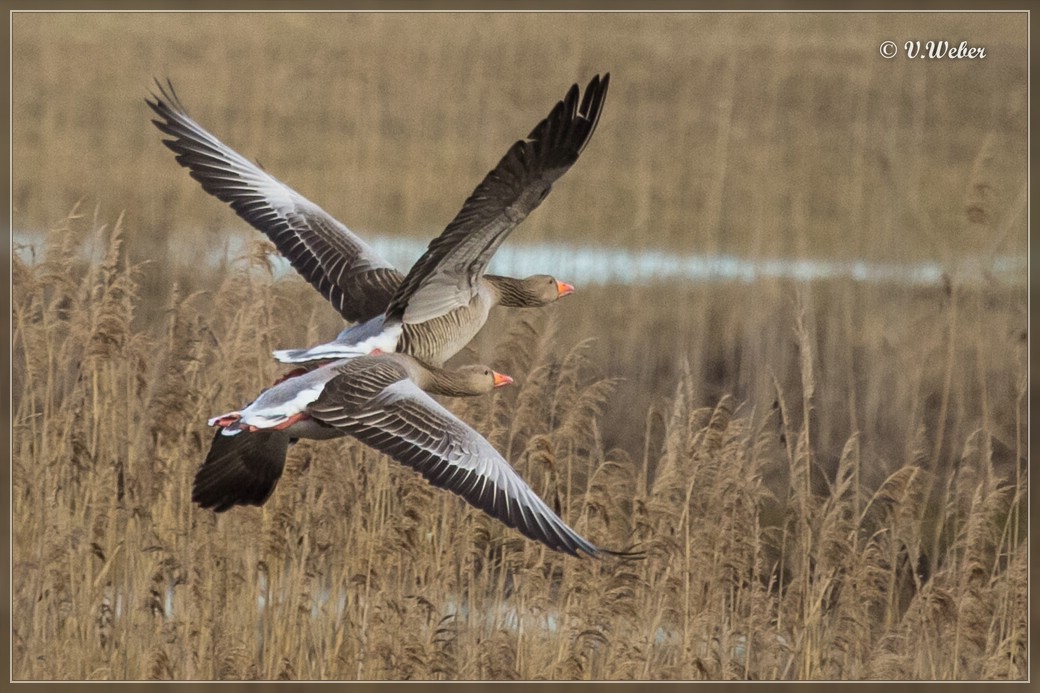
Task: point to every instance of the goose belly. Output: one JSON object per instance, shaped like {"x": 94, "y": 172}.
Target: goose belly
{"x": 313, "y": 430}
{"x": 437, "y": 340}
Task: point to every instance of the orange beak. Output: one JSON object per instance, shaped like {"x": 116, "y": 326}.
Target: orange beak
{"x": 501, "y": 379}
{"x": 564, "y": 289}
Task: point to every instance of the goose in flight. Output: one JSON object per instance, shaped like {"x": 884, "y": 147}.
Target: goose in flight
{"x": 421, "y": 314}
{"x": 382, "y": 401}
{"x": 444, "y": 300}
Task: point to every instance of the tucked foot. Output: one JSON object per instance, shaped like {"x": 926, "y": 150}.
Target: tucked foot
{"x": 295, "y": 418}
{"x": 299, "y": 416}
{"x": 225, "y": 420}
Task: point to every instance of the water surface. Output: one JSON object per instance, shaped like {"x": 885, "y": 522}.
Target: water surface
{"x": 587, "y": 265}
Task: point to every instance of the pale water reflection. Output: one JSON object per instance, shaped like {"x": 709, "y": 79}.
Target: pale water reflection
{"x": 586, "y": 265}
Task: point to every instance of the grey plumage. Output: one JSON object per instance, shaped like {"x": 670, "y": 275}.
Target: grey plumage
{"x": 447, "y": 274}
{"x": 355, "y": 279}
{"x": 445, "y": 298}
{"x": 382, "y": 401}
{"x": 430, "y": 314}
{"x": 374, "y": 404}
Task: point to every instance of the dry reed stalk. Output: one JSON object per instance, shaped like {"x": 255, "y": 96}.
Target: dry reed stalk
{"x": 365, "y": 571}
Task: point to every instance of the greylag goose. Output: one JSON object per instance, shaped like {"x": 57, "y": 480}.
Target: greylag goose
{"x": 439, "y": 337}
{"x": 382, "y": 401}
{"x": 355, "y": 279}
{"x": 445, "y": 298}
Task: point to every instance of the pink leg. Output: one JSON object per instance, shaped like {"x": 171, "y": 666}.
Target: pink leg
{"x": 299, "y": 416}
{"x": 225, "y": 420}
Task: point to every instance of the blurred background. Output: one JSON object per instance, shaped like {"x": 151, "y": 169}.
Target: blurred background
{"x": 773, "y": 135}
{"x": 769, "y": 211}
{"x": 745, "y": 139}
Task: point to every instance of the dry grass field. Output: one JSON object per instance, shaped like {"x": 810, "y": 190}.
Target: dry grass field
{"x": 828, "y": 478}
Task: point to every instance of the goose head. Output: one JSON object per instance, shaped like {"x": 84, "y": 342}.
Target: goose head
{"x": 533, "y": 292}
{"x": 467, "y": 381}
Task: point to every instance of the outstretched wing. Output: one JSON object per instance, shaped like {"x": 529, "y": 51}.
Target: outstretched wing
{"x": 240, "y": 470}
{"x": 405, "y": 423}
{"x": 344, "y": 269}
{"x": 446, "y": 276}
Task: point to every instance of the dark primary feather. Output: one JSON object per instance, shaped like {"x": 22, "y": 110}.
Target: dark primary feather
{"x": 240, "y": 470}
{"x": 397, "y": 418}
{"x": 346, "y": 271}
{"x": 509, "y": 192}
{"x": 414, "y": 430}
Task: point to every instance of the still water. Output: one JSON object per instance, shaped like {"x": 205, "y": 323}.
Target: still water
{"x": 587, "y": 265}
